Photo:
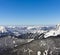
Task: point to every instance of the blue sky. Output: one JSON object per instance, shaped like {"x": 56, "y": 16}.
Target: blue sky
{"x": 29, "y": 12}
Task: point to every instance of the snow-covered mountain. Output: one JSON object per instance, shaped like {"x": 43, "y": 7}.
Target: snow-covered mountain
{"x": 19, "y": 30}
{"x": 53, "y": 32}
{"x": 2, "y": 29}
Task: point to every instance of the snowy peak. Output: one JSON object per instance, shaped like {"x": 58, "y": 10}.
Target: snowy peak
{"x": 53, "y": 32}
{"x": 2, "y": 29}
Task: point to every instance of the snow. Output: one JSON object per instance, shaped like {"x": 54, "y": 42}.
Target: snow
{"x": 2, "y": 29}
{"x": 14, "y": 41}
{"x": 32, "y": 29}
{"x": 54, "y": 32}
{"x": 50, "y": 33}
{"x": 38, "y": 53}
{"x": 29, "y": 40}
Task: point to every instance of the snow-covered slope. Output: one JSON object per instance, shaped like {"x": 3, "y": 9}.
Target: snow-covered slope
{"x": 53, "y": 32}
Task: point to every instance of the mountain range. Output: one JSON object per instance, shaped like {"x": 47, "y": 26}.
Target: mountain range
{"x": 24, "y": 31}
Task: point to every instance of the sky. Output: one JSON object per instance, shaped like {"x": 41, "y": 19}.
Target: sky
{"x": 29, "y": 12}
